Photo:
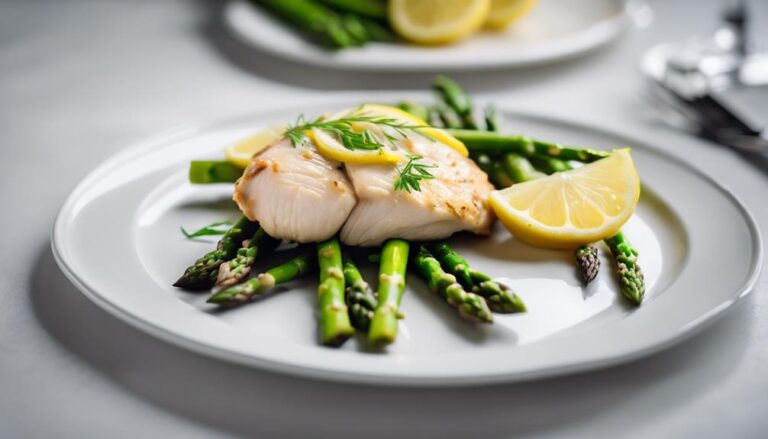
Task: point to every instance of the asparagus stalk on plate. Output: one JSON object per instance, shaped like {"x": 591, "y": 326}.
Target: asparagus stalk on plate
{"x": 471, "y": 306}
{"x": 500, "y": 298}
{"x": 376, "y": 9}
{"x": 203, "y": 273}
{"x": 392, "y": 266}
{"x": 335, "y": 326}
{"x": 455, "y": 98}
{"x": 316, "y": 20}
{"x": 264, "y": 282}
{"x": 360, "y": 298}
{"x": 495, "y": 143}
{"x": 235, "y": 270}
{"x": 631, "y": 281}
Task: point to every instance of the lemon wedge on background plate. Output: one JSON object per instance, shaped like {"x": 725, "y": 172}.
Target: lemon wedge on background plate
{"x": 571, "y": 208}
{"x": 241, "y": 152}
{"x": 437, "y": 21}
{"x": 504, "y": 12}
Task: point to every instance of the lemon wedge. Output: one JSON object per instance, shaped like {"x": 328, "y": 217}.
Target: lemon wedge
{"x": 241, "y": 152}
{"x": 504, "y": 12}
{"x": 437, "y": 21}
{"x": 572, "y": 208}
{"x": 433, "y": 133}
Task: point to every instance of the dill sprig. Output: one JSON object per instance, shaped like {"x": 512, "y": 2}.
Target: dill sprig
{"x": 212, "y": 229}
{"x": 410, "y": 176}
{"x": 350, "y": 137}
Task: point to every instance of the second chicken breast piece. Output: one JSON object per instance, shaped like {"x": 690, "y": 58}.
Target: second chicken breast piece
{"x": 455, "y": 200}
{"x": 295, "y": 193}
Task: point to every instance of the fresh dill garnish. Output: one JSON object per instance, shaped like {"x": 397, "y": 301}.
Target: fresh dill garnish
{"x": 212, "y": 229}
{"x": 352, "y": 137}
{"x": 410, "y": 176}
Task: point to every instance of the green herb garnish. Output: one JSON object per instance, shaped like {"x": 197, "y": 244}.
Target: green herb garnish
{"x": 213, "y": 229}
{"x": 350, "y": 137}
{"x": 412, "y": 173}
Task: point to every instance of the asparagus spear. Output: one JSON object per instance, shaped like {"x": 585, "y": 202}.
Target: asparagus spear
{"x": 213, "y": 171}
{"x": 202, "y": 274}
{"x": 588, "y": 262}
{"x": 261, "y": 284}
{"x": 518, "y": 168}
{"x": 418, "y": 110}
{"x": 448, "y": 116}
{"x": 491, "y": 117}
{"x": 471, "y": 306}
{"x": 631, "y": 281}
{"x": 394, "y": 260}
{"x": 376, "y": 9}
{"x": 314, "y": 19}
{"x": 549, "y": 165}
{"x": 360, "y": 299}
{"x": 500, "y": 298}
{"x": 495, "y": 143}
{"x": 454, "y": 97}
{"x": 235, "y": 270}
{"x": 335, "y": 327}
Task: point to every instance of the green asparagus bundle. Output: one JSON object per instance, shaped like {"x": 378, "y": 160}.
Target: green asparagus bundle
{"x": 203, "y": 273}
{"x": 326, "y": 26}
{"x": 376, "y": 9}
{"x": 335, "y": 326}
{"x": 235, "y": 270}
{"x": 500, "y": 298}
{"x": 360, "y": 298}
{"x": 392, "y": 266}
{"x": 470, "y": 306}
{"x": 262, "y": 283}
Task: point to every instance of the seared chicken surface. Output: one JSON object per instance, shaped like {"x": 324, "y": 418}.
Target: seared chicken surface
{"x": 454, "y": 200}
{"x": 297, "y": 194}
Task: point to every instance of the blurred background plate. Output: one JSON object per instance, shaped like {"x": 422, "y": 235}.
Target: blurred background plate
{"x": 117, "y": 239}
{"x": 556, "y": 29}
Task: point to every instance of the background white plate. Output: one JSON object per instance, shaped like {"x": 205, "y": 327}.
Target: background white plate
{"x": 556, "y": 29}
{"x": 117, "y": 239}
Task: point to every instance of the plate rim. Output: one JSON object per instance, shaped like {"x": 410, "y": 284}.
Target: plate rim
{"x": 595, "y": 37}
{"x": 167, "y": 136}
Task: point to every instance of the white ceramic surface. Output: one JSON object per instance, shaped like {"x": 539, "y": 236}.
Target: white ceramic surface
{"x": 117, "y": 239}
{"x": 556, "y": 29}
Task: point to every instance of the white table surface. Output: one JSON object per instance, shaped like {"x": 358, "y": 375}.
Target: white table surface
{"x": 79, "y": 80}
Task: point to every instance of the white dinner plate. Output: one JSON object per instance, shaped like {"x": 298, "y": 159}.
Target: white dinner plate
{"x": 556, "y": 29}
{"x": 117, "y": 238}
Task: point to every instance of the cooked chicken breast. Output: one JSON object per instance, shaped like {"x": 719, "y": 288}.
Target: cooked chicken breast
{"x": 295, "y": 193}
{"x": 455, "y": 200}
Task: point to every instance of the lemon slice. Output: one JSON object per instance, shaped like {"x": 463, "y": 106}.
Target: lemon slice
{"x": 433, "y": 133}
{"x": 571, "y": 208}
{"x": 437, "y": 21}
{"x": 504, "y": 12}
{"x": 241, "y": 152}
{"x": 330, "y": 147}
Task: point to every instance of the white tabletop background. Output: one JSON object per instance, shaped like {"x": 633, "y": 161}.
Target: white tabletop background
{"x": 79, "y": 80}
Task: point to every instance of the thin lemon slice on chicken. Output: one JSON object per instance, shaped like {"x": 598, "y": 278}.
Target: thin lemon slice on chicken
{"x": 433, "y": 133}
{"x": 437, "y": 21}
{"x": 572, "y": 208}
{"x": 504, "y": 12}
{"x": 329, "y": 146}
{"x": 241, "y": 152}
